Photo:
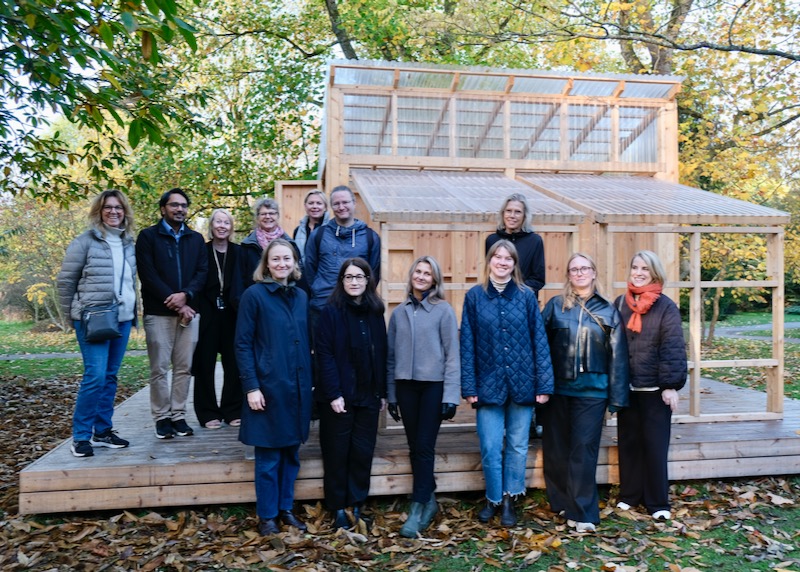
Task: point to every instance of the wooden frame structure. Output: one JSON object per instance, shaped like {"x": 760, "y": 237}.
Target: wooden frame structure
{"x": 432, "y": 151}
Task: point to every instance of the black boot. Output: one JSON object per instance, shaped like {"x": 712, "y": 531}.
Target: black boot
{"x": 340, "y": 520}
{"x": 288, "y": 518}
{"x": 508, "y": 514}
{"x": 268, "y": 527}
{"x": 487, "y": 512}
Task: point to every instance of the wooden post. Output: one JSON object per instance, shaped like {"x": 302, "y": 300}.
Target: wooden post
{"x": 775, "y": 389}
{"x": 695, "y": 325}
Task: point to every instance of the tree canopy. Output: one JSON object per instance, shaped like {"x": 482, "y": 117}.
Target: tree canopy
{"x": 99, "y": 64}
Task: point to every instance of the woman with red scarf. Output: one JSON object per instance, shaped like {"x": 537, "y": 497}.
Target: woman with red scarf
{"x": 657, "y": 358}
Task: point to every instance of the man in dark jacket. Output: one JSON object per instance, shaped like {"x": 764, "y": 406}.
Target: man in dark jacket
{"x": 172, "y": 264}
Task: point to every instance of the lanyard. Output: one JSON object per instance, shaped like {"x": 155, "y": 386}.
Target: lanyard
{"x": 220, "y": 270}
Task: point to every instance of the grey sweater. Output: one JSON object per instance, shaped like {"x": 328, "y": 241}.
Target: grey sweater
{"x": 423, "y": 346}
{"x": 87, "y": 276}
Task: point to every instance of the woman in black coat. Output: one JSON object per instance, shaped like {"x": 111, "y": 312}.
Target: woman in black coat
{"x": 275, "y": 367}
{"x": 350, "y": 346}
{"x": 217, "y": 329}
{"x": 657, "y": 358}
{"x": 514, "y": 225}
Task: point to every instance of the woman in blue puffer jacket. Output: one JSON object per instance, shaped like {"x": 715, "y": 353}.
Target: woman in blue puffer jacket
{"x": 505, "y": 370}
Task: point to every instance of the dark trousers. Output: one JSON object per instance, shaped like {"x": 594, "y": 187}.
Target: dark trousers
{"x": 275, "y": 473}
{"x": 644, "y": 432}
{"x": 571, "y": 443}
{"x": 347, "y": 441}
{"x": 421, "y": 408}
{"x": 216, "y": 336}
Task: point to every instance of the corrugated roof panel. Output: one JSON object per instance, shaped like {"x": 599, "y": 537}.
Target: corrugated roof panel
{"x": 363, "y": 76}
{"x": 646, "y": 90}
{"x": 425, "y": 79}
{"x": 467, "y": 82}
{"x": 540, "y": 85}
{"x": 629, "y": 199}
{"x": 395, "y": 195}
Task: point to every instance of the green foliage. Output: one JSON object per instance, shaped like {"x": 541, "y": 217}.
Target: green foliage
{"x": 99, "y": 65}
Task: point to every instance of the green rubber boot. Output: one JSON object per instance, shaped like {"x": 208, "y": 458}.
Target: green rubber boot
{"x": 411, "y": 526}
{"x": 429, "y": 510}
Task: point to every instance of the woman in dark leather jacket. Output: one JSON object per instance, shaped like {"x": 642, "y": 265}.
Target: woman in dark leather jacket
{"x": 589, "y": 352}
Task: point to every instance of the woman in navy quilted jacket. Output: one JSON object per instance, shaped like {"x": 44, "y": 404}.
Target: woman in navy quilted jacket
{"x": 505, "y": 370}
{"x": 657, "y": 358}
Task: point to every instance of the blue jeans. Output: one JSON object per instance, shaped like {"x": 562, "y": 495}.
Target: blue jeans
{"x": 503, "y": 431}
{"x": 94, "y": 405}
{"x": 275, "y": 473}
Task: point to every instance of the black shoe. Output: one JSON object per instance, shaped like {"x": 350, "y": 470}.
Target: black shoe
{"x": 181, "y": 428}
{"x": 341, "y": 520}
{"x": 82, "y": 449}
{"x": 268, "y": 527}
{"x": 164, "y": 429}
{"x": 508, "y": 514}
{"x": 288, "y": 518}
{"x": 109, "y": 438}
{"x": 487, "y": 512}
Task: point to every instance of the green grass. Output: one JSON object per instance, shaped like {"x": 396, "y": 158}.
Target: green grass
{"x": 134, "y": 371}
{"x": 30, "y": 338}
{"x": 753, "y": 319}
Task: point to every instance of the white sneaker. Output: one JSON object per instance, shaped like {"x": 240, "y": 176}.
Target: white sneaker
{"x": 662, "y": 515}
{"x": 582, "y": 526}
{"x": 623, "y": 506}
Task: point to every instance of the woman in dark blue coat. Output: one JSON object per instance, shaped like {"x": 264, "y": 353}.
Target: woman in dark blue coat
{"x": 274, "y": 358}
{"x": 350, "y": 344}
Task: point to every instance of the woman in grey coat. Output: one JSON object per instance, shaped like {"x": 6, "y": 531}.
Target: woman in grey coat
{"x": 423, "y": 379}
{"x": 99, "y": 269}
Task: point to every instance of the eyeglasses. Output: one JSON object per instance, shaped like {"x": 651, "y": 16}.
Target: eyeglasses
{"x": 581, "y": 270}
{"x": 357, "y": 278}
{"x": 109, "y": 208}
{"x": 178, "y": 205}
{"x": 272, "y": 214}
{"x": 338, "y": 204}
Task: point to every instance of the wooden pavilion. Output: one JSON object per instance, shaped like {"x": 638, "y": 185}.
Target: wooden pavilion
{"x": 431, "y": 152}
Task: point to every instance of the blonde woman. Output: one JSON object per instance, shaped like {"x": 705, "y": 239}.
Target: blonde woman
{"x": 590, "y": 362}
{"x": 505, "y": 370}
{"x": 100, "y": 268}
{"x": 423, "y": 379}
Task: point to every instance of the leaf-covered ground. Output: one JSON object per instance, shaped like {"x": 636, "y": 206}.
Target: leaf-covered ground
{"x": 720, "y": 525}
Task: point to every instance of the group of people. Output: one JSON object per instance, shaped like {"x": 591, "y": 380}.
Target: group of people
{"x": 300, "y": 328}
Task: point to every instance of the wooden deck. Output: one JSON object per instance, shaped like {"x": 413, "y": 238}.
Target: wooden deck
{"x": 212, "y": 467}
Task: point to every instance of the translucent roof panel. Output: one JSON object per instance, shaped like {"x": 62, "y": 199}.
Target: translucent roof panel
{"x": 397, "y": 195}
{"x": 644, "y": 200}
{"x": 467, "y": 82}
{"x": 476, "y": 78}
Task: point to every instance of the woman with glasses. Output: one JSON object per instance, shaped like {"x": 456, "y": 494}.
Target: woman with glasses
{"x": 423, "y": 380}
{"x": 505, "y": 370}
{"x": 217, "y": 327}
{"x": 657, "y": 358}
{"x": 274, "y": 357}
{"x": 350, "y": 346}
{"x": 99, "y": 269}
{"x": 267, "y": 228}
{"x": 514, "y": 225}
{"x": 590, "y": 362}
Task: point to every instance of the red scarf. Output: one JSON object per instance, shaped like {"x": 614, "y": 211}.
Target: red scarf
{"x": 647, "y": 297}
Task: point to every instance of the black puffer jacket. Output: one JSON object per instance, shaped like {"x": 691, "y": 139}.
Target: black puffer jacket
{"x": 658, "y": 353}
{"x": 578, "y": 344}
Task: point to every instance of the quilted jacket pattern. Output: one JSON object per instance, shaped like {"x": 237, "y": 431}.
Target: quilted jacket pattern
{"x": 504, "y": 350}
